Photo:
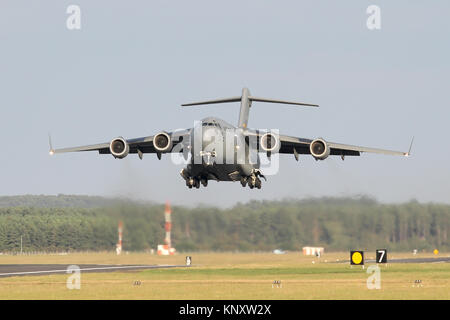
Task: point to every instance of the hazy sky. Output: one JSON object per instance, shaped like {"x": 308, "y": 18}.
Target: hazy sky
{"x": 132, "y": 64}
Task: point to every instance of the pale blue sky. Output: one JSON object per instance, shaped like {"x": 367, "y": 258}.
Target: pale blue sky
{"x": 133, "y": 63}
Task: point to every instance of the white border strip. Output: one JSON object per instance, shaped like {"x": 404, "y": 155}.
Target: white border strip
{"x": 91, "y": 269}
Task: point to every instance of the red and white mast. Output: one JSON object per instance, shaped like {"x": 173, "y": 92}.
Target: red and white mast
{"x": 119, "y": 244}
{"x": 166, "y": 248}
{"x": 168, "y": 225}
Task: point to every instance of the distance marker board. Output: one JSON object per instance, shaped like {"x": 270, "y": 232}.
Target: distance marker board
{"x": 381, "y": 255}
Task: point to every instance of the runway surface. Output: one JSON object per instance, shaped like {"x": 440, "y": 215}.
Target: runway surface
{"x": 11, "y": 270}
{"x": 409, "y": 260}
{"x": 417, "y": 260}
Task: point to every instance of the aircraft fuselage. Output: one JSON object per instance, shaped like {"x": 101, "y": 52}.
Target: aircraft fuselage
{"x": 220, "y": 151}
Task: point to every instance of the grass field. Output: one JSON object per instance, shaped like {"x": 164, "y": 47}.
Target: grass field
{"x": 230, "y": 276}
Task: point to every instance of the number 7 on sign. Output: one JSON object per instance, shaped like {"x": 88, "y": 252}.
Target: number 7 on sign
{"x": 381, "y": 256}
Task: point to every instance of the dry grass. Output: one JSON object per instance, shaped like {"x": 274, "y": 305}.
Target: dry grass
{"x": 229, "y": 276}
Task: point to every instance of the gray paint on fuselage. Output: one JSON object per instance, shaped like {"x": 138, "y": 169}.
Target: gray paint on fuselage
{"x": 212, "y": 128}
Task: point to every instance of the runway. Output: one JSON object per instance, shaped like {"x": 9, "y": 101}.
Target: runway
{"x": 12, "y": 270}
{"x": 408, "y": 260}
{"x": 417, "y": 260}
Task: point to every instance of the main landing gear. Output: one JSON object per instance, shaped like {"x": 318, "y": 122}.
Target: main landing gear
{"x": 194, "y": 182}
{"x": 253, "y": 180}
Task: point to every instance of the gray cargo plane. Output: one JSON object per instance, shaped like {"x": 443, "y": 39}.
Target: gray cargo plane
{"x": 222, "y": 152}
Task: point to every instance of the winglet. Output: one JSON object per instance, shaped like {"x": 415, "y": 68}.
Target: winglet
{"x": 52, "y": 151}
{"x": 407, "y": 154}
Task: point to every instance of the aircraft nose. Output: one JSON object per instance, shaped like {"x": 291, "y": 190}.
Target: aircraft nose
{"x": 210, "y": 137}
{"x": 208, "y": 134}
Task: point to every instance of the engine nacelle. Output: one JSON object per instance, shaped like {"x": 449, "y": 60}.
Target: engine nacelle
{"x": 119, "y": 148}
{"x": 162, "y": 142}
{"x": 319, "y": 149}
{"x": 269, "y": 142}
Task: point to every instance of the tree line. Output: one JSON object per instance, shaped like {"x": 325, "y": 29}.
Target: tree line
{"x": 334, "y": 223}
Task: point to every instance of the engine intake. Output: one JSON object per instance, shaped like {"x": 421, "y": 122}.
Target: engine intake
{"x": 162, "y": 142}
{"x": 269, "y": 142}
{"x": 319, "y": 149}
{"x": 119, "y": 148}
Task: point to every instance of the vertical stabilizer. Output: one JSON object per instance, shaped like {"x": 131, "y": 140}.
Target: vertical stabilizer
{"x": 246, "y": 103}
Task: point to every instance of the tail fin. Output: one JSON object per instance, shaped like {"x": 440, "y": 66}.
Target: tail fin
{"x": 246, "y": 102}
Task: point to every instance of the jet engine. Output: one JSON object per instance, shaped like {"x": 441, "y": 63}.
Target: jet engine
{"x": 119, "y": 148}
{"x": 162, "y": 142}
{"x": 269, "y": 142}
{"x": 319, "y": 149}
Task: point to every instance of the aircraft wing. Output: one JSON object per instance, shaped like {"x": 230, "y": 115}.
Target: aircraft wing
{"x": 302, "y": 146}
{"x": 296, "y": 145}
{"x": 136, "y": 145}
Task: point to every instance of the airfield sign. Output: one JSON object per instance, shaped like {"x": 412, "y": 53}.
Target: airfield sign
{"x": 381, "y": 255}
{"x": 357, "y": 258}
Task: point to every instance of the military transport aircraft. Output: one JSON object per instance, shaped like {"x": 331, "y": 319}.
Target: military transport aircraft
{"x": 222, "y": 152}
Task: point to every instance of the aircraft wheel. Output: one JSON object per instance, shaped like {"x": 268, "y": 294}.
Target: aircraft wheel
{"x": 204, "y": 182}
{"x": 243, "y": 182}
{"x": 252, "y": 181}
{"x": 258, "y": 184}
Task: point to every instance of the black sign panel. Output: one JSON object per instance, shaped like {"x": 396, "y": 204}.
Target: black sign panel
{"x": 381, "y": 256}
{"x": 357, "y": 258}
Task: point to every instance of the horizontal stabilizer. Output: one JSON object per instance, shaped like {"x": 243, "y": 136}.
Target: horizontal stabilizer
{"x": 237, "y": 99}
{"x": 281, "y": 101}
{"x": 224, "y": 100}
{"x": 246, "y": 100}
